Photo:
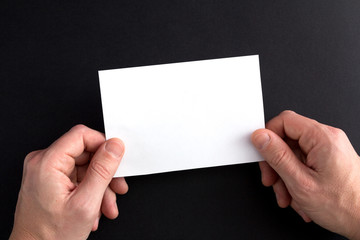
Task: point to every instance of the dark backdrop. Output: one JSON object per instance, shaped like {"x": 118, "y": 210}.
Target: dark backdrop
{"x": 50, "y": 53}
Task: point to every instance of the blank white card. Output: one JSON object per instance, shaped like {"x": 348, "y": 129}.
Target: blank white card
{"x": 183, "y": 115}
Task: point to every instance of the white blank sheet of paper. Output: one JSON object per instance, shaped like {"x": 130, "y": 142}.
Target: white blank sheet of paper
{"x": 183, "y": 115}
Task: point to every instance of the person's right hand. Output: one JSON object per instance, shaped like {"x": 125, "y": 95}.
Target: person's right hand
{"x": 314, "y": 168}
{"x": 68, "y": 186}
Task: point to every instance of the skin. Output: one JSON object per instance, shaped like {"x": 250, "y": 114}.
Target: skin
{"x": 63, "y": 193}
{"x": 314, "y": 169}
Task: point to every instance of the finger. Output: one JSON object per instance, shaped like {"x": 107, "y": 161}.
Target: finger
{"x": 81, "y": 172}
{"x": 31, "y": 156}
{"x": 297, "y": 127}
{"x": 282, "y": 195}
{"x": 119, "y": 185}
{"x": 73, "y": 176}
{"x": 268, "y": 175}
{"x": 101, "y": 170}
{"x": 65, "y": 151}
{"x": 83, "y": 158}
{"x": 280, "y": 157}
{"x": 96, "y": 223}
{"x": 108, "y": 206}
{"x": 78, "y": 172}
{"x": 302, "y": 214}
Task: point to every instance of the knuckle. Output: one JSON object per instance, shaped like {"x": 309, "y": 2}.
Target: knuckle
{"x": 101, "y": 170}
{"x": 288, "y": 115}
{"x": 337, "y": 132}
{"x": 279, "y": 157}
{"x": 334, "y": 135}
{"x": 83, "y": 209}
{"x": 287, "y": 112}
{"x": 31, "y": 160}
{"x": 306, "y": 188}
{"x": 79, "y": 128}
{"x": 30, "y": 156}
{"x": 315, "y": 133}
{"x": 314, "y": 123}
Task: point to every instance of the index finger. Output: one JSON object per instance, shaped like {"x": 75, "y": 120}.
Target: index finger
{"x": 302, "y": 129}
{"x": 64, "y": 151}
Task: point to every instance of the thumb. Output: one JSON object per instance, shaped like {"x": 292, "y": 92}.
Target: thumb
{"x": 279, "y": 156}
{"x": 101, "y": 170}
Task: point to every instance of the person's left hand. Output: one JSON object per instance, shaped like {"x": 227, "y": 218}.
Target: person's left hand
{"x": 67, "y": 186}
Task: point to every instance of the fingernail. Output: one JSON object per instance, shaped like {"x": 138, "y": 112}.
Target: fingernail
{"x": 114, "y": 148}
{"x": 261, "y": 141}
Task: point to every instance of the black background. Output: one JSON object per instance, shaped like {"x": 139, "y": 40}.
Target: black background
{"x": 50, "y": 53}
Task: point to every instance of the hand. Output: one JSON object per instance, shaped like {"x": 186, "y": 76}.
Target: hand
{"x": 314, "y": 169}
{"x": 67, "y": 186}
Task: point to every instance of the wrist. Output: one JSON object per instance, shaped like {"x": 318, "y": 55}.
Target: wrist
{"x": 356, "y": 236}
{"x": 354, "y": 233}
{"x": 21, "y": 234}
